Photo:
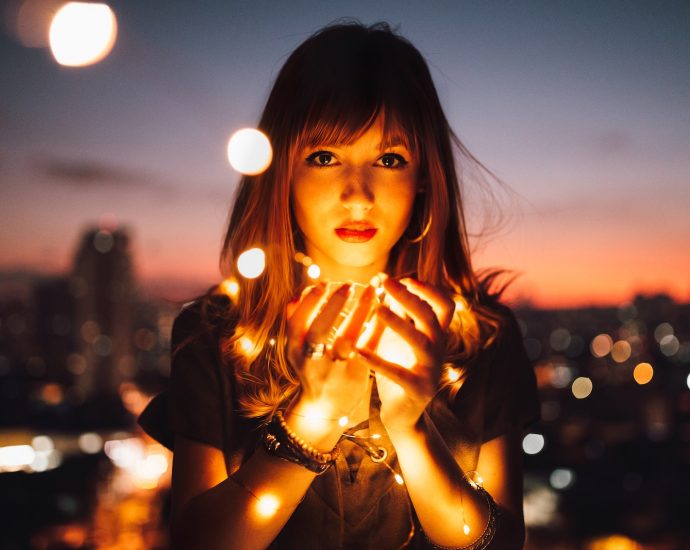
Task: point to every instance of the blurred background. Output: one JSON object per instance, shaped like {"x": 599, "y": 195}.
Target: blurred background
{"x": 114, "y": 192}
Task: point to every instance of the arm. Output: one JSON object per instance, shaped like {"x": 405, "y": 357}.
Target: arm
{"x": 443, "y": 497}
{"x": 250, "y": 507}
{"x": 440, "y": 491}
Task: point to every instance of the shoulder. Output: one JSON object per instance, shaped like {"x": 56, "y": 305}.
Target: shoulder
{"x": 203, "y": 318}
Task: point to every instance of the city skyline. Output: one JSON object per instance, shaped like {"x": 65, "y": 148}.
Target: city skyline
{"x": 582, "y": 110}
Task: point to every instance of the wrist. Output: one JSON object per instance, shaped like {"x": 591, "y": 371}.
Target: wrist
{"x": 315, "y": 422}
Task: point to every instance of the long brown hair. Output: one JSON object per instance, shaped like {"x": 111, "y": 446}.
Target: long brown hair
{"x": 331, "y": 89}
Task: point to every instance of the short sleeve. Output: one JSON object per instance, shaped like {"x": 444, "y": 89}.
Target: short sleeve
{"x": 195, "y": 401}
{"x": 511, "y": 399}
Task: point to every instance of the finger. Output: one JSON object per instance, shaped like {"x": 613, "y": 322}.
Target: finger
{"x": 304, "y": 310}
{"x": 442, "y": 305}
{"x": 352, "y": 327}
{"x": 402, "y": 376}
{"x": 417, "y": 308}
{"x": 326, "y": 318}
{"x": 421, "y": 345}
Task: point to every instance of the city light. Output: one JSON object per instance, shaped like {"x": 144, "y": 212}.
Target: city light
{"x": 90, "y": 443}
{"x": 582, "y": 387}
{"x": 559, "y": 339}
{"x": 82, "y": 33}
{"x": 561, "y": 478}
{"x": 249, "y": 151}
{"x": 662, "y": 330}
{"x": 601, "y": 345}
{"x": 533, "y": 443}
{"x": 251, "y": 263}
{"x": 620, "y": 352}
{"x": 643, "y": 373}
{"x": 669, "y": 345}
{"x": 14, "y": 458}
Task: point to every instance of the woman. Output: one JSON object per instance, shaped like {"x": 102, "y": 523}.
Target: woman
{"x": 295, "y": 422}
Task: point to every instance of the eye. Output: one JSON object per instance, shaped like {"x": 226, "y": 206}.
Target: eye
{"x": 392, "y": 160}
{"x": 321, "y": 159}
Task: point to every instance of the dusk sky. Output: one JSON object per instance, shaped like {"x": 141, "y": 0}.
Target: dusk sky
{"x": 581, "y": 108}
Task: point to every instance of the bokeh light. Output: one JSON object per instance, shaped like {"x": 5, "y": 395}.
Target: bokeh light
{"x": 230, "y": 287}
{"x": 533, "y": 443}
{"x": 561, "y": 478}
{"x": 620, "y": 352}
{"x": 251, "y": 263}
{"x": 249, "y": 151}
{"x": 643, "y": 373}
{"x": 314, "y": 271}
{"x": 662, "y": 330}
{"x": 601, "y": 345}
{"x": 82, "y": 33}
{"x": 582, "y": 387}
{"x": 669, "y": 345}
{"x": 559, "y": 339}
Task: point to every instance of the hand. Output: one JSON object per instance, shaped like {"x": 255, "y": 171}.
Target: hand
{"x": 331, "y": 385}
{"x": 405, "y": 392}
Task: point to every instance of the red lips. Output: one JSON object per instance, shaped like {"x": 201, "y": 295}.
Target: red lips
{"x": 356, "y": 232}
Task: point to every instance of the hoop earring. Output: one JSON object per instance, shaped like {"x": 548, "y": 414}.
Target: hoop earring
{"x": 424, "y": 233}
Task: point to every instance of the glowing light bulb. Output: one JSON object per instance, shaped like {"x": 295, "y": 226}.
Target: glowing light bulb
{"x": 230, "y": 287}
{"x": 398, "y": 479}
{"x": 376, "y": 436}
{"x": 466, "y": 529}
{"x": 314, "y": 271}
{"x": 272, "y": 342}
{"x": 246, "y": 345}
{"x": 82, "y": 33}
{"x": 452, "y": 374}
{"x": 480, "y": 479}
{"x": 251, "y": 263}
{"x": 249, "y": 151}
{"x": 267, "y": 505}
{"x": 343, "y": 420}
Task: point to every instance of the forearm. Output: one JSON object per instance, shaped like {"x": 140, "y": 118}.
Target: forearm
{"x": 246, "y": 511}
{"x": 249, "y": 509}
{"x": 438, "y": 488}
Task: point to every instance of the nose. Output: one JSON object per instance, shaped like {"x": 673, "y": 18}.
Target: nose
{"x": 357, "y": 195}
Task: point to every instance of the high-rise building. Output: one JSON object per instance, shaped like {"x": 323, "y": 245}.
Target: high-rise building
{"x": 105, "y": 300}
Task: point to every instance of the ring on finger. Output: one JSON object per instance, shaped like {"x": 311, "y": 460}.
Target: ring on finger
{"x": 314, "y": 350}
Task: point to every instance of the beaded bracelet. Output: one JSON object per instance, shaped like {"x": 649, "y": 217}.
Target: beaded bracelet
{"x": 489, "y": 531}
{"x": 279, "y": 440}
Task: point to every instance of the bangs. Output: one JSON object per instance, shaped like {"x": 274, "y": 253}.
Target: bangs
{"x": 337, "y": 125}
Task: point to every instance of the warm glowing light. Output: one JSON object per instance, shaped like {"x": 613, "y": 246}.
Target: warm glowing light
{"x": 643, "y": 373}
{"x": 533, "y": 443}
{"x": 687, "y": 381}
{"x": 466, "y": 529}
{"x": 398, "y": 479}
{"x": 230, "y": 287}
{"x": 249, "y": 151}
{"x": 378, "y": 436}
{"x": 479, "y": 480}
{"x": 267, "y": 505}
{"x": 16, "y": 457}
{"x": 613, "y": 542}
{"x": 559, "y": 339}
{"x": 272, "y": 342}
{"x": 394, "y": 349}
{"x": 90, "y": 443}
{"x": 460, "y": 304}
{"x": 314, "y": 271}
{"x": 620, "y": 352}
{"x": 148, "y": 471}
{"x": 581, "y": 387}
{"x": 251, "y": 263}
{"x": 601, "y": 345}
{"x": 82, "y": 33}
{"x": 246, "y": 344}
{"x": 42, "y": 444}
{"x": 343, "y": 420}
{"x": 452, "y": 374}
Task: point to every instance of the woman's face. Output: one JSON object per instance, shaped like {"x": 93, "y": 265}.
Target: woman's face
{"x": 353, "y": 202}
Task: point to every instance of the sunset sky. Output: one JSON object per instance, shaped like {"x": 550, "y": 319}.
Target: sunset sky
{"x": 581, "y": 108}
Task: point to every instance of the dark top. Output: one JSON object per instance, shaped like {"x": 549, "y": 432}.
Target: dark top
{"x": 358, "y": 501}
